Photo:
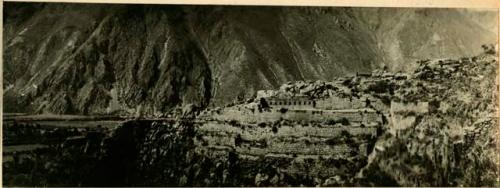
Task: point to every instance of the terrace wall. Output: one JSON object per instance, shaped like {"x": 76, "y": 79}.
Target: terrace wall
{"x": 295, "y": 142}
{"x": 365, "y": 116}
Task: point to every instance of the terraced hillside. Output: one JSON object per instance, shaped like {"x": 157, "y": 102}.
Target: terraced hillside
{"x": 434, "y": 127}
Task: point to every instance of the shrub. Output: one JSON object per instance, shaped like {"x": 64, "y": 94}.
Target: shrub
{"x": 333, "y": 141}
{"x": 275, "y": 129}
{"x": 434, "y": 105}
{"x": 262, "y": 125}
{"x": 331, "y": 122}
{"x": 238, "y": 140}
{"x": 381, "y": 86}
{"x": 283, "y": 110}
{"x": 344, "y": 121}
{"x": 234, "y": 123}
{"x": 345, "y": 134}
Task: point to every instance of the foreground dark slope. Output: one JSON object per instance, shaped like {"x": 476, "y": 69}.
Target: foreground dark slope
{"x": 135, "y": 59}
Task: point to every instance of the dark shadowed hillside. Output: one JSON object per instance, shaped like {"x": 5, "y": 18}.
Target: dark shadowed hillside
{"x": 140, "y": 59}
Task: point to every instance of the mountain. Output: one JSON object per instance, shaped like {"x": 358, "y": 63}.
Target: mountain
{"x": 147, "y": 59}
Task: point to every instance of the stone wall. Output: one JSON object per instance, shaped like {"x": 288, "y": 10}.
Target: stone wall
{"x": 293, "y": 103}
{"x": 364, "y": 116}
{"x": 330, "y": 103}
{"x": 338, "y": 103}
{"x": 404, "y": 115}
{"x": 417, "y": 107}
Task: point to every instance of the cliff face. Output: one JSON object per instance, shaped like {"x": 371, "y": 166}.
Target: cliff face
{"x": 140, "y": 59}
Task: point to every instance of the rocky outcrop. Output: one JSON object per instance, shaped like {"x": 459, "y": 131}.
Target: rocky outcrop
{"x": 437, "y": 142}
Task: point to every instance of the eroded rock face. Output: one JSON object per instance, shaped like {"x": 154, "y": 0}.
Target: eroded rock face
{"x": 139, "y": 59}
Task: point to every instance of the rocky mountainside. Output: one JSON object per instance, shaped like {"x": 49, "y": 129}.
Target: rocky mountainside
{"x": 144, "y": 60}
{"x": 446, "y": 145}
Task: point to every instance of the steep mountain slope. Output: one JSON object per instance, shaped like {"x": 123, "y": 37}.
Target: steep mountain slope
{"x": 140, "y": 59}
{"x": 120, "y": 54}
{"x": 408, "y": 35}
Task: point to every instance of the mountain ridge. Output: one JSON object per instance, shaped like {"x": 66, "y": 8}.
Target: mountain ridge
{"x": 145, "y": 60}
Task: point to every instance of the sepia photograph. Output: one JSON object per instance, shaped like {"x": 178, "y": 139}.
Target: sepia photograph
{"x": 172, "y": 95}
